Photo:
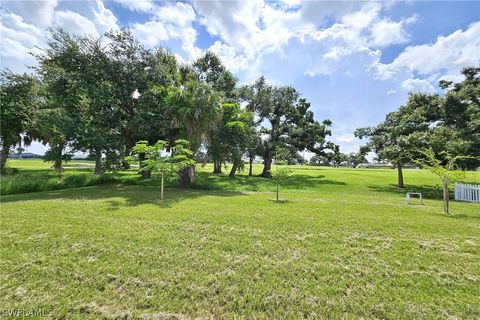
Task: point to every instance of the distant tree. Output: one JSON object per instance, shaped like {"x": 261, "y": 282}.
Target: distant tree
{"x": 19, "y": 102}
{"x": 254, "y": 148}
{"x": 456, "y": 126}
{"x": 19, "y": 151}
{"x": 157, "y": 161}
{"x": 319, "y": 160}
{"x": 59, "y": 122}
{"x": 210, "y": 70}
{"x": 336, "y": 157}
{"x": 287, "y": 156}
{"x": 232, "y": 137}
{"x": 402, "y": 134}
{"x": 354, "y": 159}
{"x": 291, "y": 125}
{"x": 56, "y": 127}
{"x": 129, "y": 66}
{"x": 229, "y": 141}
{"x": 100, "y": 122}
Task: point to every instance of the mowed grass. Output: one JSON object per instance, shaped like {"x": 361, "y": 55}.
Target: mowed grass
{"x": 343, "y": 244}
{"x": 37, "y": 175}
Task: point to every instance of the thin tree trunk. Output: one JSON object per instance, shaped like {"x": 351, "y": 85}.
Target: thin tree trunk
{"x": 161, "y": 187}
{"x": 57, "y": 164}
{"x": 400, "y": 175}
{"x": 3, "y": 158}
{"x": 129, "y": 143}
{"x": 267, "y": 167}
{"x": 146, "y": 174}
{"x": 98, "y": 162}
{"x": 250, "y": 163}
{"x": 187, "y": 177}
{"x": 278, "y": 187}
{"x": 217, "y": 166}
{"x": 233, "y": 170}
{"x": 446, "y": 197}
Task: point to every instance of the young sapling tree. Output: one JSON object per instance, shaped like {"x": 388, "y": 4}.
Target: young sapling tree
{"x": 280, "y": 175}
{"x": 159, "y": 162}
{"x": 446, "y": 169}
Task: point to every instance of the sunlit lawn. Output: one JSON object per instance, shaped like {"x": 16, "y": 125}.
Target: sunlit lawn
{"x": 343, "y": 244}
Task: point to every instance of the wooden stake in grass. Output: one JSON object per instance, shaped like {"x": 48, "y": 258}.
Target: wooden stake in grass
{"x": 157, "y": 160}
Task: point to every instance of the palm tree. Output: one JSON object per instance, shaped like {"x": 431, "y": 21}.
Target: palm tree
{"x": 196, "y": 108}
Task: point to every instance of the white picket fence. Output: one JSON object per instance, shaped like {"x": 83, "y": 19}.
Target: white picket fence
{"x": 467, "y": 192}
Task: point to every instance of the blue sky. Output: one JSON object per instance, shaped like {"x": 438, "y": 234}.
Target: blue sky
{"x": 354, "y": 61}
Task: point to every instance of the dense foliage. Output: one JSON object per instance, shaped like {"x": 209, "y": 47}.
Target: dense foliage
{"x": 447, "y": 124}
{"x": 101, "y": 96}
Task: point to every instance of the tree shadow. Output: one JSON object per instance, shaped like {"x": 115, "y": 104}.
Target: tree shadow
{"x": 120, "y": 196}
{"x": 428, "y": 192}
{"x": 280, "y": 201}
{"x": 208, "y": 181}
{"x": 434, "y": 192}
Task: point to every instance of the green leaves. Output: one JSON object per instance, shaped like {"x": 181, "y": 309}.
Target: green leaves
{"x": 448, "y": 123}
{"x": 196, "y": 108}
{"x": 281, "y": 173}
{"x": 443, "y": 165}
{"x": 291, "y": 125}
{"x": 156, "y": 159}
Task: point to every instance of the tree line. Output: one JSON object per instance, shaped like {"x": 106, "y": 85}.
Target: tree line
{"x": 103, "y": 95}
{"x": 431, "y": 126}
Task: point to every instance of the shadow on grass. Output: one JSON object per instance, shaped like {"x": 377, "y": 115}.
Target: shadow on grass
{"x": 39, "y": 180}
{"x": 428, "y": 192}
{"x": 281, "y": 201}
{"x": 462, "y": 216}
{"x": 118, "y": 196}
{"x": 209, "y": 181}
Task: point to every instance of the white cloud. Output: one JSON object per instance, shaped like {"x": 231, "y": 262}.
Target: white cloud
{"x": 290, "y": 3}
{"x": 151, "y": 33}
{"x": 253, "y": 30}
{"x": 386, "y": 32}
{"x": 23, "y": 26}
{"x": 18, "y": 40}
{"x": 39, "y": 13}
{"x": 103, "y": 18}
{"x": 315, "y": 11}
{"x": 418, "y": 85}
{"x": 75, "y": 23}
{"x": 14, "y": 27}
{"x": 233, "y": 61}
{"x": 391, "y": 91}
{"x": 235, "y": 22}
{"x": 453, "y": 78}
{"x": 181, "y": 14}
{"x": 346, "y": 138}
{"x": 137, "y": 5}
{"x": 170, "y": 22}
{"x": 450, "y": 53}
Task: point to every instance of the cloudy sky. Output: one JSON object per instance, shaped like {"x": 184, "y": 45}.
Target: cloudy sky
{"x": 354, "y": 61}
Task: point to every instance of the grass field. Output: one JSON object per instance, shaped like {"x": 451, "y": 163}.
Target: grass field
{"x": 342, "y": 244}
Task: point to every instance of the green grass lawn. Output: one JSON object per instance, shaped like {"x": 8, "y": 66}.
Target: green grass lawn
{"x": 343, "y": 244}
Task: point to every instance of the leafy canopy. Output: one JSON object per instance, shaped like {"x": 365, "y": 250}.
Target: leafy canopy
{"x": 158, "y": 161}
